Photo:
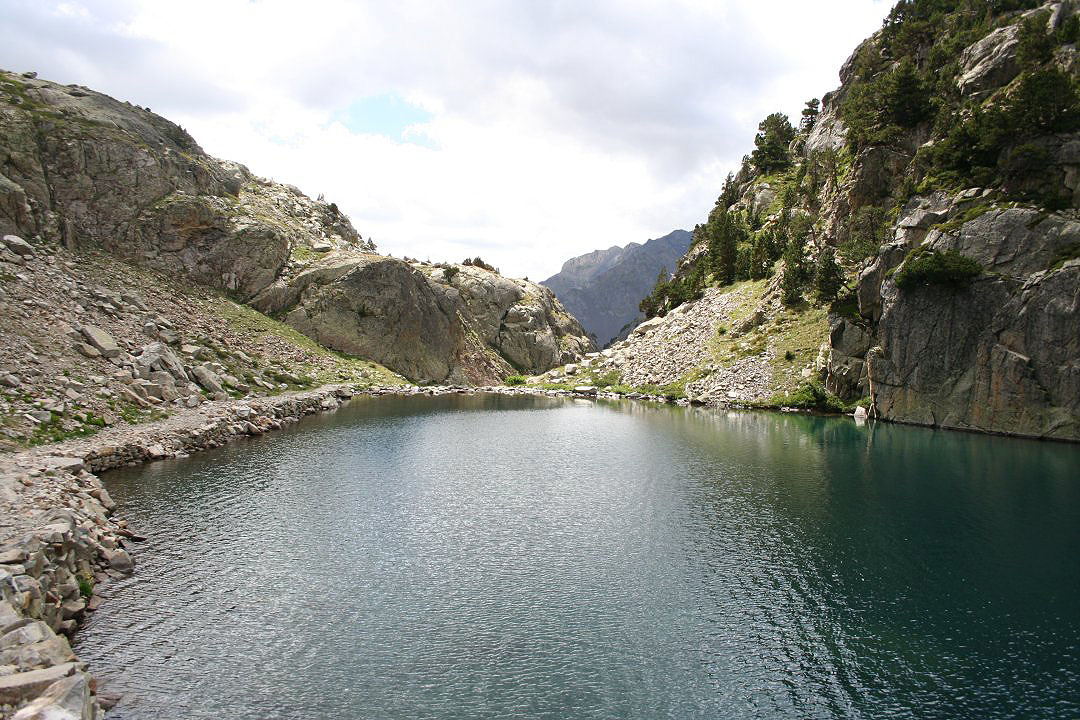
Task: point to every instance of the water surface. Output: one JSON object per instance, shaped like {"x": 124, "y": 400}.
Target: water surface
{"x": 495, "y": 557}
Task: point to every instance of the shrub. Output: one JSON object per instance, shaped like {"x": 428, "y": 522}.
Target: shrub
{"x": 515, "y": 380}
{"x": 450, "y": 271}
{"x": 477, "y": 262}
{"x": 932, "y": 267}
{"x": 812, "y": 395}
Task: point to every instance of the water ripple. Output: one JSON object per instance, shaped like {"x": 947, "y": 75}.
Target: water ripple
{"x": 470, "y": 557}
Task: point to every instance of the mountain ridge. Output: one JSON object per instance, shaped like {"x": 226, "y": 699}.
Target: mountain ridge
{"x": 602, "y": 288}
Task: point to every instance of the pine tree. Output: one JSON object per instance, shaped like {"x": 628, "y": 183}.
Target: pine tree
{"x": 906, "y": 97}
{"x": 795, "y": 271}
{"x": 759, "y": 258}
{"x": 771, "y": 153}
{"x": 810, "y": 115}
{"x": 729, "y": 193}
{"x": 725, "y": 232}
{"x": 828, "y": 277}
{"x": 790, "y": 287}
{"x": 653, "y": 303}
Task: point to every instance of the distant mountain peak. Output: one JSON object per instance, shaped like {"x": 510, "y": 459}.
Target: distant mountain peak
{"x": 602, "y": 288}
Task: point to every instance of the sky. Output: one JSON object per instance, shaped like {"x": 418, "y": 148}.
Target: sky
{"x": 526, "y": 132}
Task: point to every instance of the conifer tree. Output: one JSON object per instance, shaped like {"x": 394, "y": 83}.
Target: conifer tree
{"x": 828, "y": 277}
{"x": 810, "y": 115}
{"x": 771, "y": 153}
{"x": 759, "y": 258}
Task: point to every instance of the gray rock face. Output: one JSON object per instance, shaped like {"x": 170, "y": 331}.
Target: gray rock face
{"x": 475, "y": 327}
{"x": 602, "y": 289}
{"x": 89, "y": 171}
{"x": 990, "y": 63}
{"x": 382, "y": 309}
{"x": 1002, "y": 355}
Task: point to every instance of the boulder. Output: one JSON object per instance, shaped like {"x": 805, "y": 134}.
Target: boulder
{"x": 17, "y": 245}
{"x": 101, "y": 340}
{"x": 158, "y": 356}
{"x": 68, "y": 698}
{"x": 120, "y": 561}
{"x": 87, "y": 350}
{"x": 207, "y": 378}
{"x": 19, "y": 687}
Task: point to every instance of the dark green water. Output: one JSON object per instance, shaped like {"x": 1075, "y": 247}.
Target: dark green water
{"x": 491, "y": 557}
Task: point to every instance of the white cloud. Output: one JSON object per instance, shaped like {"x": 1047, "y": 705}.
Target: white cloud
{"x": 559, "y": 127}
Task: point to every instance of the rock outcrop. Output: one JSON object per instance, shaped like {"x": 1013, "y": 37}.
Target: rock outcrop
{"x": 602, "y": 289}
{"x": 85, "y": 171}
{"x": 999, "y": 355}
{"x": 431, "y": 323}
{"x": 1002, "y": 353}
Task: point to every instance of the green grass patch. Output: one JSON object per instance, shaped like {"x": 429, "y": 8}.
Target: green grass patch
{"x": 302, "y": 254}
{"x": 1063, "y": 255}
{"x": 555, "y": 386}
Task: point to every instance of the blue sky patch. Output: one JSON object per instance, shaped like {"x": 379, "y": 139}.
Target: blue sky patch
{"x": 386, "y": 115}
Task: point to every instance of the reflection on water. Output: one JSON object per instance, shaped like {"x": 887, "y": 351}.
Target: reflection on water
{"x": 486, "y": 556}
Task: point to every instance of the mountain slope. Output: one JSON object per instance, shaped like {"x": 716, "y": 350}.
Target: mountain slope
{"x": 914, "y": 245}
{"x": 602, "y": 289}
{"x": 82, "y": 170}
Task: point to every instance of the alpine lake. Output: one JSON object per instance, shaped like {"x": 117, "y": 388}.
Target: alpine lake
{"x": 488, "y": 556}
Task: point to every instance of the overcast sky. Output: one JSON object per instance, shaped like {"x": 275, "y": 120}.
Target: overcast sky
{"x": 523, "y": 131}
